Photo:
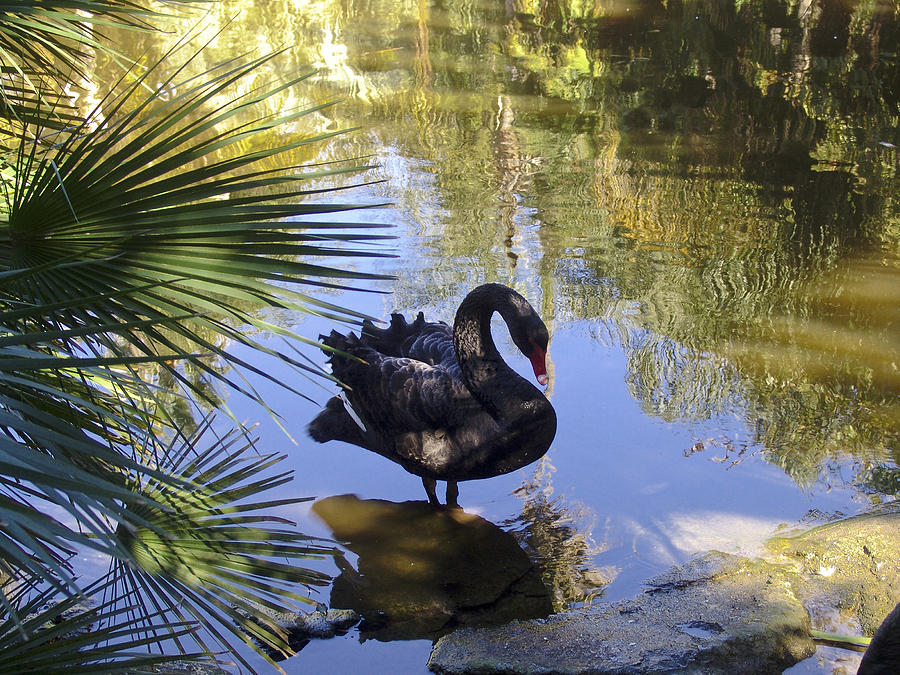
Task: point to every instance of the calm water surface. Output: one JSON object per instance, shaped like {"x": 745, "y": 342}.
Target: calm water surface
{"x": 699, "y": 199}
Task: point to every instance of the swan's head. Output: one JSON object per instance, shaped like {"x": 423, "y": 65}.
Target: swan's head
{"x": 531, "y": 337}
{"x": 525, "y": 326}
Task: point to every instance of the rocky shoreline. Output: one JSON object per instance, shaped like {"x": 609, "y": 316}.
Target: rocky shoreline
{"x": 718, "y": 613}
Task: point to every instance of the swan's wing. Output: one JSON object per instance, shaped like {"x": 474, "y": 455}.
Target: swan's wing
{"x": 430, "y": 343}
{"x": 434, "y": 346}
{"x": 410, "y": 395}
{"x": 430, "y": 395}
{"x": 398, "y": 394}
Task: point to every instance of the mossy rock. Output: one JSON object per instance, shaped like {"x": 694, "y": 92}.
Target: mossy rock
{"x": 851, "y": 566}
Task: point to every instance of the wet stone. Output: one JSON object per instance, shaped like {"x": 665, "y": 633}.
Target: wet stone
{"x": 301, "y": 627}
{"x": 716, "y": 614}
{"x": 848, "y": 571}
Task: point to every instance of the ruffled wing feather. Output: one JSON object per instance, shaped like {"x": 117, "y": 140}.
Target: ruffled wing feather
{"x": 399, "y": 394}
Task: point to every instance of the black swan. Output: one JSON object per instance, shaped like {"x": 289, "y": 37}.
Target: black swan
{"x": 441, "y": 402}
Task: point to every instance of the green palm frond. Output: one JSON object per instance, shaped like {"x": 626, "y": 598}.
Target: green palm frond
{"x": 157, "y": 220}
{"x": 138, "y": 244}
{"x": 45, "y": 46}
{"x": 65, "y": 442}
{"x": 79, "y": 634}
{"x": 191, "y": 536}
{"x": 54, "y": 37}
{"x": 28, "y": 101}
{"x": 217, "y": 552}
{"x": 119, "y": 251}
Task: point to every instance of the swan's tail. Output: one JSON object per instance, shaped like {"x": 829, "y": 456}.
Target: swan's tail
{"x": 392, "y": 340}
{"x": 335, "y": 424}
{"x": 353, "y": 370}
{"x": 339, "y": 341}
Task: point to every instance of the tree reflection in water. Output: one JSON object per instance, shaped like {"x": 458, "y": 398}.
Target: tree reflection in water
{"x": 422, "y": 572}
{"x": 558, "y": 537}
{"x": 713, "y": 184}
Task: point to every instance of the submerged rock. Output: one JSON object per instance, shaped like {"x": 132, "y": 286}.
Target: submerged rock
{"x": 322, "y": 624}
{"x": 716, "y": 614}
{"x": 301, "y": 627}
{"x": 75, "y": 612}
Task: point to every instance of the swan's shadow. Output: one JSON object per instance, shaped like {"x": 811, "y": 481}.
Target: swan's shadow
{"x": 422, "y": 572}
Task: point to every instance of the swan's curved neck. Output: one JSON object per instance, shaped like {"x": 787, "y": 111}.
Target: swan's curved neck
{"x": 495, "y": 385}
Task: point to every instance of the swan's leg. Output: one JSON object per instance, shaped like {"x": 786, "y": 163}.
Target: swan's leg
{"x": 452, "y": 493}
{"x": 430, "y": 484}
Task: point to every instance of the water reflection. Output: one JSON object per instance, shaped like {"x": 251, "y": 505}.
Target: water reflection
{"x": 710, "y": 185}
{"x": 422, "y": 572}
{"x": 559, "y": 536}
{"x": 707, "y": 188}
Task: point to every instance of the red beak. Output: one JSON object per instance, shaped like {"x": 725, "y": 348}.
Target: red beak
{"x": 538, "y": 363}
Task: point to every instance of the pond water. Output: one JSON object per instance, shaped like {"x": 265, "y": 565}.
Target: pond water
{"x": 700, "y": 199}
